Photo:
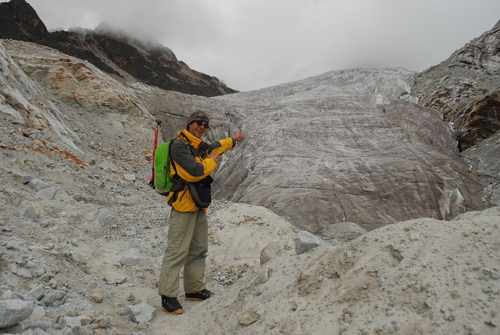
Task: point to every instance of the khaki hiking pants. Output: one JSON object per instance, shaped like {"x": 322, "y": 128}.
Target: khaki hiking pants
{"x": 187, "y": 246}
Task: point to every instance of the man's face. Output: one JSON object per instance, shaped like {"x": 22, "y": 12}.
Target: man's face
{"x": 198, "y": 128}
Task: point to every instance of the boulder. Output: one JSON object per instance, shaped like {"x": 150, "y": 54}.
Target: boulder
{"x": 343, "y": 231}
{"x": 306, "y": 241}
{"x": 14, "y": 311}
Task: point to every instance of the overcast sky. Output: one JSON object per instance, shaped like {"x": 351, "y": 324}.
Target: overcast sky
{"x": 252, "y": 44}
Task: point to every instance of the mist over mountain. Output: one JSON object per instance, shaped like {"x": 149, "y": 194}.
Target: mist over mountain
{"x": 112, "y": 51}
{"x": 352, "y": 207}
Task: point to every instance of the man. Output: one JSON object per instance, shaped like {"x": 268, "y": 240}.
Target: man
{"x": 193, "y": 162}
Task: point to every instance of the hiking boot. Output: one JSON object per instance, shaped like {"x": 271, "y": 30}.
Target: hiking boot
{"x": 202, "y": 295}
{"x": 171, "y": 305}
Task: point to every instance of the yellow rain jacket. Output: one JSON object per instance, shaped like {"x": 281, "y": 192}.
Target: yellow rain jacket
{"x": 188, "y": 160}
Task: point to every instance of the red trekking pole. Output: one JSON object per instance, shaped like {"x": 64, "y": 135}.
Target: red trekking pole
{"x": 152, "y": 181}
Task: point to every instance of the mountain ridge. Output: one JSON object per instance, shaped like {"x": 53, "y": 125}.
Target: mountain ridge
{"x": 110, "y": 51}
{"x": 465, "y": 88}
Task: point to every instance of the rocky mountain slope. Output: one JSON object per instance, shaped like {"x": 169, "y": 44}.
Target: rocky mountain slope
{"x": 111, "y": 51}
{"x": 465, "y": 88}
{"x": 82, "y": 236}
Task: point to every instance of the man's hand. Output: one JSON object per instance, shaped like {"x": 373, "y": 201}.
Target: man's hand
{"x": 214, "y": 156}
{"x": 238, "y": 137}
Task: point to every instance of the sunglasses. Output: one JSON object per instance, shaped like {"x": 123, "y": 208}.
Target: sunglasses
{"x": 200, "y": 124}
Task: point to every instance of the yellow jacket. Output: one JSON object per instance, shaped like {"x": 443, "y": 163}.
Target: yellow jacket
{"x": 188, "y": 160}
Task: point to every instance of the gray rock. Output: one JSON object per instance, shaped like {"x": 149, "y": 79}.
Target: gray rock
{"x": 104, "y": 322}
{"x": 39, "y": 325}
{"x": 14, "y": 311}
{"x": 67, "y": 308}
{"x": 6, "y": 293}
{"x": 142, "y": 312}
{"x": 24, "y": 273}
{"x": 131, "y": 261}
{"x": 305, "y": 241}
{"x": 344, "y": 231}
{"x": 115, "y": 279}
{"x": 25, "y": 179}
{"x": 45, "y": 223}
{"x": 38, "y": 184}
{"x": 13, "y": 268}
{"x": 54, "y": 298}
{"x": 79, "y": 197}
{"x": 9, "y": 279}
{"x": 35, "y": 294}
{"x": 126, "y": 310}
{"x": 79, "y": 255}
{"x": 38, "y": 272}
{"x": 46, "y": 193}
{"x": 30, "y": 213}
{"x": 76, "y": 321}
{"x": 18, "y": 328}
{"x": 38, "y": 314}
{"x": 248, "y": 317}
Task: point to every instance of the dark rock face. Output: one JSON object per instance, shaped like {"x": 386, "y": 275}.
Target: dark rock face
{"x": 19, "y": 21}
{"x": 111, "y": 52}
{"x": 79, "y": 46}
{"x": 465, "y": 88}
{"x": 483, "y": 121}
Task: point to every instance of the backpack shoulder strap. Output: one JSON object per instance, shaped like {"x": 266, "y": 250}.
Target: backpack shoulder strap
{"x": 186, "y": 141}
{"x": 170, "y": 160}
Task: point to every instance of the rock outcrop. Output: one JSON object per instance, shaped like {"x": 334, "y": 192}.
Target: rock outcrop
{"x": 484, "y": 159}
{"x": 465, "y": 88}
{"x": 111, "y": 51}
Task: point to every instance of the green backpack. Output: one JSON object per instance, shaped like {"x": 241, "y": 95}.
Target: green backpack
{"x": 162, "y": 180}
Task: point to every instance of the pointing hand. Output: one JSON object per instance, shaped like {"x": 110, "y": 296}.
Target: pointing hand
{"x": 214, "y": 156}
{"x": 238, "y": 137}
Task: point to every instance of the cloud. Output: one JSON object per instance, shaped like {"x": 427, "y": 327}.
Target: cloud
{"x": 260, "y": 43}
